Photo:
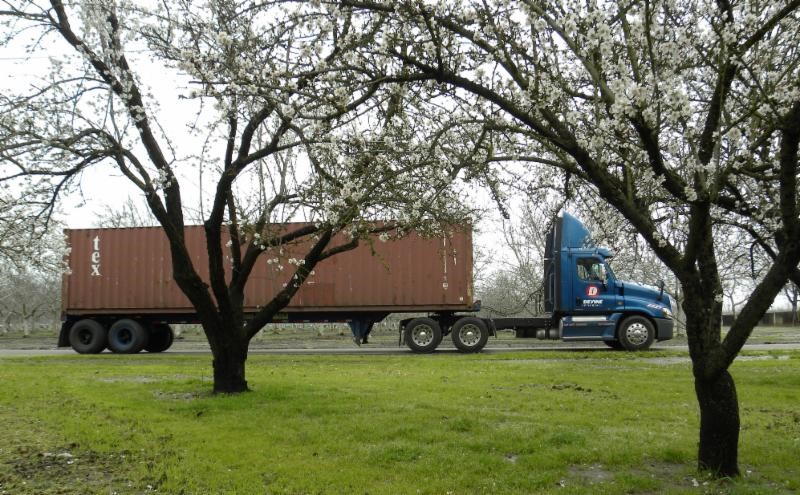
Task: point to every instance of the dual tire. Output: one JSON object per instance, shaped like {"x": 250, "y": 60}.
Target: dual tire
{"x": 423, "y": 335}
{"x": 161, "y": 338}
{"x": 469, "y": 334}
{"x": 125, "y": 336}
{"x": 88, "y": 337}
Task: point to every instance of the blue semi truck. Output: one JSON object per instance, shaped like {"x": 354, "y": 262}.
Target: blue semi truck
{"x": 119, "y": 292}
{"x": 583, "y": 301}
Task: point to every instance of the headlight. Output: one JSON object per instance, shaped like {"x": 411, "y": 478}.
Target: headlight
{"x": 666, "y": 313}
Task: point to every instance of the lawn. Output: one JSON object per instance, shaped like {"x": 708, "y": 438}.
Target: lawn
{"x": 526, "y": 422}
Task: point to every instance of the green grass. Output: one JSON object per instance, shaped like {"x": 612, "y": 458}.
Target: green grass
{"x": 525, "y": 422}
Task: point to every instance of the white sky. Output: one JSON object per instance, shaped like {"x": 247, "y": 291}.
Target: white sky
{"x": 103, "y": 187}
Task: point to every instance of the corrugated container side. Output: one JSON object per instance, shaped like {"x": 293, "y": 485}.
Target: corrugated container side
{"x": 116, "y": 270}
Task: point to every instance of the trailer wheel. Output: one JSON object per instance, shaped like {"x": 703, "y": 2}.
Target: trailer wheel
{"x": 160, "y": 339}
{"x": 423, "y": 335}
{"x": 87, "y": 337}
{"x": 636, "y": 333}
{"x": 470, "y": 334}
{"x": 127, "y": 337}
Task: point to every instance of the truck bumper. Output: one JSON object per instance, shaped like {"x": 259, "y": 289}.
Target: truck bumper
{"x": 664, "y": 328}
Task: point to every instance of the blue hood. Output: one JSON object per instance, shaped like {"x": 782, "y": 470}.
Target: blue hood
{"x": 645, "y": 297}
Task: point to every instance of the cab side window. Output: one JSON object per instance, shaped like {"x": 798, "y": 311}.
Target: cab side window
{"x": 591, "y": 270}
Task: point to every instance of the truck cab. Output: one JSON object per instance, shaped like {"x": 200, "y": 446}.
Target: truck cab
{"x": 588, "y": 302}
{"x": 583, "y": 298}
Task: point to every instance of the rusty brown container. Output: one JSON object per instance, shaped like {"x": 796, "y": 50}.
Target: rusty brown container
{"x": 129, "y": 271}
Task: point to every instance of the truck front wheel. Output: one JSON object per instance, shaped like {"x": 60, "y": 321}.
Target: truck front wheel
{"x": 127, "y": 337}
{"x": 87, "y": 337}
{"x": 423, "y": 335}
{"x": 636, "y": 333}
{"x": 470, "y": 334}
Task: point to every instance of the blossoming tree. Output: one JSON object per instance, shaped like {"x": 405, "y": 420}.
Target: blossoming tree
{"x": 259, "y": 101}
{"x": 680, "y": 115}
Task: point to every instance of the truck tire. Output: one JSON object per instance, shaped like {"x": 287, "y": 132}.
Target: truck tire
{"x": 161, "y": 337}
{"x": 127, "y": 337}
{"x": 469, "y": 334}
{"x": 636, "y": 333}
{"x": 422, "y": 335}
{"x": 87, "y": 337}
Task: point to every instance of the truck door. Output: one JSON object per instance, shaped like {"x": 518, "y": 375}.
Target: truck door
{"x": 593, "y": 292}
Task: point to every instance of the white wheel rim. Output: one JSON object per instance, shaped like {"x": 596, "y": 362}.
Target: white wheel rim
{"x": 469, "y": 335}
{"x": 422, "y": 335}
{"x": 636, "y": 333}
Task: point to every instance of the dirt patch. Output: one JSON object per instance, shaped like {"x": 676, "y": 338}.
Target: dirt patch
{"x": 178, "y": 396}
{"x": 668, "y": 477}
{"x": 35, "y": 460}
{"x": 592, "y": 474}
{"x": 64, "y": 470}
{"x": 128, "y": 379}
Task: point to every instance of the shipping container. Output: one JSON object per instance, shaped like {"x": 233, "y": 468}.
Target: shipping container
{"x": 119, "y": 284}
{"x": 129, "y": 270}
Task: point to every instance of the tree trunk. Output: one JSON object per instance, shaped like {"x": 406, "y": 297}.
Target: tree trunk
{"x": 229, "y": 361}
{"x": 719, "y": 425}
{"x": 718, "y": 449}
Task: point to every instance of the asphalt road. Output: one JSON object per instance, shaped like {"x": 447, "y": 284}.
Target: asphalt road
{"x": 383, "y": 350}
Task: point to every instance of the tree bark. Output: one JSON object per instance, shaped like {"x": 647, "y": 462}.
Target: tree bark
{"x": 229, "y": 366}
{"x": 719, "y": 425}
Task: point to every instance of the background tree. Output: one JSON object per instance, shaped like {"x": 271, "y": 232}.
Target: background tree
{"x": 738, "y": 275}
{"x": 31, "y": 248}
{"x": 515, "y": 286}
{"x": 256, "y": 84}
{"x": 26, "y": 234}
{"x": 29, "y": 298}
{"x": 792, "y": 294}
{"x": 679, "y": 115}
{"x": 128, "y": 214}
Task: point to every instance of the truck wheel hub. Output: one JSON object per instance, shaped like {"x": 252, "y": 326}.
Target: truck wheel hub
{"x": 637, "y": 334}
{"x": 469, "y": 335}
{"x": 422, "y": 336}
